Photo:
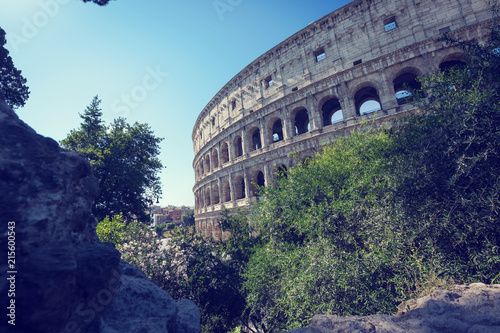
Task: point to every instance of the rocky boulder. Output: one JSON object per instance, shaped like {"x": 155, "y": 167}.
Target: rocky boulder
{"x": 473, "y": 309}
{"x": 61, "y": 278}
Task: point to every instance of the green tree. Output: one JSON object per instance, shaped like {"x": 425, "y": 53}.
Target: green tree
{"x": 124, "y": 158}
{"x": 13, "y": 89}
{"x": 188, "y": 217}
{"x": 98, "y": 2}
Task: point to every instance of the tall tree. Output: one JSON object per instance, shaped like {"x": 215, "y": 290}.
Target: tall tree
{"x": 124, "y": 158}
{"x": 13, "y": 89}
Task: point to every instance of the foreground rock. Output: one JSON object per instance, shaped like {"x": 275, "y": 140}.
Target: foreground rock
{"x": 473, "y": 309}
{"x": 64, "y": 279}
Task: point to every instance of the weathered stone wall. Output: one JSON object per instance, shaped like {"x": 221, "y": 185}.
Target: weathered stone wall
{"x": 363, "y": 52}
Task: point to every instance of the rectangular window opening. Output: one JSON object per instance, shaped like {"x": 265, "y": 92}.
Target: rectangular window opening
{"x": 320, "y": 55}
{"x": 357, "y": 62}
{"x": 269, "y": 82}
{"x": 390, "y": 23}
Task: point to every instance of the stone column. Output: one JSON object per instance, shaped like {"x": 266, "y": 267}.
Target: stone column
{"x": 312, "y": 112}
{"x": 287, "y": 124}
{"x": 247, "y": 184}
{"x": 244, "y": 141}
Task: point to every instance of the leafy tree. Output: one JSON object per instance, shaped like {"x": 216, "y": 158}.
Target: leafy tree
{"x": 124, "y": 158}
{"x": 13, "y": 89}
{"x": 188, "y": 217}
{"x": 98, "y": 2}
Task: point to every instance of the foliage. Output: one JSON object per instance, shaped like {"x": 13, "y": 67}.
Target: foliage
{"x": 170, "y": 226}
{"x": 160, "y": 229}
{"x": 204, "y": 271}
{"x": 13, "y": 89}
{"x": 188, "y": 217}
{"x": 124, "y": 158}
{"x": 384, "y": 215}
{"x": 98, "y": 2}
{"x": 111, "y": 231}
{"x": 140, "y": 247}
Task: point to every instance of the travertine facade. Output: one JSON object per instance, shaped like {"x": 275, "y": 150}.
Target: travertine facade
{"x": 349, "y": 66}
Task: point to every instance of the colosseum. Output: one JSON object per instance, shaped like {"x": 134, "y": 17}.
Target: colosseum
{"x": 350, "y": 66}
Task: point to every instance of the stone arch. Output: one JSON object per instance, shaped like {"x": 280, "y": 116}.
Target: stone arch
{"x": 456, "y": 59}
{"x": 404, "y": 82}
{"x": 239, "y": 187}
{"x": 224, "y": 152}
{"x": 367, "y": 100}
{"x": 216, "y": 198}
{"x": 257, "y": 180}
{"x": 226, "y": 191}
{"x": 305, "y": 160}
{"x": 207, "y": 197}
{"x": 280, "y": 170}
{"x": 331, "y": 111}
{"x": 202, "y": 171}
{"x": 207, "y": 163}
{"x": 300, "y": 118}
{"x": 215, "y": 158}
{"x": 275, "y": 130}
{"x": 202, "y": 198}
{"x": 254, "y": 138}
{"x": 238, "y": 146}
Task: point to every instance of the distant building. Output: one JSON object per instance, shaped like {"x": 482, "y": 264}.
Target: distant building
{"x": 170, "y": 214}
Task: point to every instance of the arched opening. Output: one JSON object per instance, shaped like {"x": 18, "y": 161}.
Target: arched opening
{"x": 201, "y": 168}
{"x": 258, "y": 181}
{"x": 207, "y": 163}
{"x": 239, "y": 187}
{"x": 305, "y": 160}
{"x": 207, "y": 197}
{"x": 403, "y": 85}
{"x": 202, "y": 199}
{"x": 215, "y": 158}
{"x": 448, "y": 65}
{"x": 225, "y": 153}
{"x": 216, "y": 194}
{"x": 226, "y": 191}
{"x": 367, "y": 100}
{"x": 332, "y": 112}
{"x": 280, "y": 170}
{"x": 255, "y": 139}
{"x": 238, "y": 147}
{"x": 277, "y": 131}
{"x": 301, "y": 122}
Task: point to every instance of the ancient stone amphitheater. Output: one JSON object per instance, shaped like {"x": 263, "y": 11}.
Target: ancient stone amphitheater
{"x": 350, "y": 66}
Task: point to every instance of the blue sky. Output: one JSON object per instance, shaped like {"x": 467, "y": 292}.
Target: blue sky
{"x": 152, "y": 61}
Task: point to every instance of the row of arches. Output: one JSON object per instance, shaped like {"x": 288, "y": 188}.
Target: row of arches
{"x": 234, "y": 188}
{"x": 298, "y": 122}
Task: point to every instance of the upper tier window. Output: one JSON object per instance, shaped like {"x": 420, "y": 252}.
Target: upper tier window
{"x": 320, "y": 55}
{"x": 390, "y": 23}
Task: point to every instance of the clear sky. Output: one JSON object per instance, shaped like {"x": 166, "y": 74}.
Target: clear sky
{"x": 152, "y": 61}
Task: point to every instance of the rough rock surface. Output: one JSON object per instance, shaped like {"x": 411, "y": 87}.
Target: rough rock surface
{"x": 67, "y": 280}
{"x": 462, "y": 309}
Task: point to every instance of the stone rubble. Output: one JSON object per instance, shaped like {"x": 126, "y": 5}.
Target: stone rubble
{"x": 462, "y": 309}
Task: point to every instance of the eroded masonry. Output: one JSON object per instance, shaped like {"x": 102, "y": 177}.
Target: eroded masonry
{"x": 352, "y": 65}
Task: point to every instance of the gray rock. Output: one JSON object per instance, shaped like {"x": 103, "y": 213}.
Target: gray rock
{"x": 472, "y": 308}
{"x": 67, "y": 280}
{"x": 188, "y": 317}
